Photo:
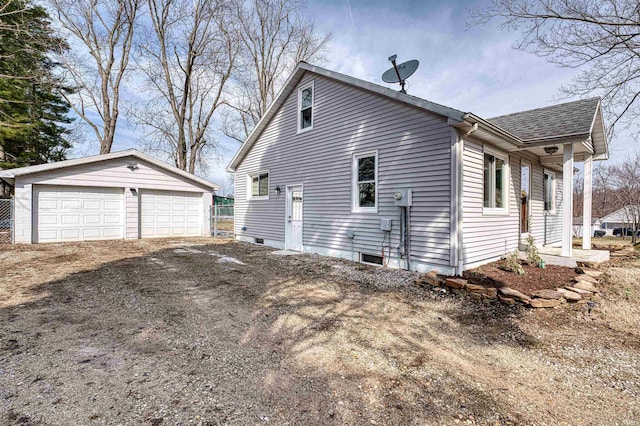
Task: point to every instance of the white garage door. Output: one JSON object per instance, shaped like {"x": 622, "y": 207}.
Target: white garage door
{"x": 170, "y": 214}
{"x": 71, "y": 213}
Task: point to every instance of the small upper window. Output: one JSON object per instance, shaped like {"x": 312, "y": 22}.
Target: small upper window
{"x": 305, "y": 107}
{"x": 495, "y": 182}
{"x": 260, "y": 185}
{"x": 549, "y": 191}
{"x": 365, "y": 177}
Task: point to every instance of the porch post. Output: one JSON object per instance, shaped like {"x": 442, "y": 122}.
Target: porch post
{"x": 567, "y": 199}
{"x": 587, "y": 232}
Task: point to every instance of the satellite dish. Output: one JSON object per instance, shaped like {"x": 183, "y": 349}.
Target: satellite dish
{"x": 400, "y": 73}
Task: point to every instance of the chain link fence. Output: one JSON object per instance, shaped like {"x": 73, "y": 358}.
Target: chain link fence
{"x": 6, "y": 221}
{"x": 222, "y": 220}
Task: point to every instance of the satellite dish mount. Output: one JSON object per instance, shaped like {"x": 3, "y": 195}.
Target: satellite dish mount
{"x": 400, "y": 73}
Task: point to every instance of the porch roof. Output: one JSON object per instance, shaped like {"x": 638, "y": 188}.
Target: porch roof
{"x": 577, "y": 122}
{"x": 571, "y": 118}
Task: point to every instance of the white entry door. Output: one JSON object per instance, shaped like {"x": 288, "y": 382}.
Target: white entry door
{"x": 73, "y": 213}
{"x": 293, "y": 226}
{"x": 170, "y": 214}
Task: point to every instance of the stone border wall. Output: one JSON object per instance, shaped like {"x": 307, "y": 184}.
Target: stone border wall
{"x": 583, "y": 290}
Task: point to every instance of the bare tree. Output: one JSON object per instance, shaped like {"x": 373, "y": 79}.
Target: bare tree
{"x": 578, "y": 194}
{"x": 187, "y": 57}
{"x": 101, "y": 32}
{"x": 604, "y": 201}
{"x": 602, "y": 38}
{"x": 626, "y": 180}
{"x": 274, "y": 37}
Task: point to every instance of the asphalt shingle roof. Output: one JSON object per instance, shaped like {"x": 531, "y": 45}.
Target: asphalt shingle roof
{"x": 556, "y": 120}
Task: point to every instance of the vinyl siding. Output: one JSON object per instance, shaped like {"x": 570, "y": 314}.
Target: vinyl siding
{"x": 414, "y": 151}
{"x": 131, "y": 214}
{"x": 489, "y": 236}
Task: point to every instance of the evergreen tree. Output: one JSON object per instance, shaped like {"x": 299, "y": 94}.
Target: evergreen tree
{"x": 33, "y": 115}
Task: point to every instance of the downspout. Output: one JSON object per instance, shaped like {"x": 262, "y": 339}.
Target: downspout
{"x": 459, "y": 197}
{"x": 408, "y": 227}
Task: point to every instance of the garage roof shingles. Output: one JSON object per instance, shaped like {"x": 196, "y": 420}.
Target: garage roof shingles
{"x": 553, "y": 121}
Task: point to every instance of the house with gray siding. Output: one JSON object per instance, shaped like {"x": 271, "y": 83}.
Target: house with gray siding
{"x": 344, "y": 167}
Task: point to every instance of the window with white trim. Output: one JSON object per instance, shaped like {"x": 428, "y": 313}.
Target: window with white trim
{"x": 305, "y": 107}
{"x": 495, "y": 182}
{"x": 549, "y": 191}
{"x": 365, "y": 182}
{"x": 259, "y": 185}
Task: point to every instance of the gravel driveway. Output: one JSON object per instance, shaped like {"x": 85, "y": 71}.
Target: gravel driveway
{"x": 198, "y": 332}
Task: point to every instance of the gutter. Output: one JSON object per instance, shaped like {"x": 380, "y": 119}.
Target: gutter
{"x": 558, "y": 137}
{"x": 472, "y": 120}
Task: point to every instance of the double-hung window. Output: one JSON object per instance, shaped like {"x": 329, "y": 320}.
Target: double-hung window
{"x": 549, "y": 191}
{"x": 305, "y": 108}
{"x": 259, "y": 185}
{"x": 365, "y": 182}
{"x": 496, "y": 183}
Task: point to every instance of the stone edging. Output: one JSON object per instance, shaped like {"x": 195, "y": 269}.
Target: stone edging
{"x": 583, "y": 290}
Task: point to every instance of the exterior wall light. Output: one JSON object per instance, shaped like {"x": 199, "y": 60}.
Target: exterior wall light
{"x": 277, "y": 190}
{"x": 132, "y": 166}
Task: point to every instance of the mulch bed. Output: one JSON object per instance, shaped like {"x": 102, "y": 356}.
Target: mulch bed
{"x": 490, "y": 275}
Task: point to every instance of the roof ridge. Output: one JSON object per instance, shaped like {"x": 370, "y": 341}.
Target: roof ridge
{"x": 383, "y": 87}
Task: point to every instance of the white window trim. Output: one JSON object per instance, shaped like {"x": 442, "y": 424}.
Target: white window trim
{"x": 250, "y": 177}
{"x": 355, "y": 193}
{"x": 313, "y": 107}
{"x": 554, "y": 193}
{"x": 506, "y": 188}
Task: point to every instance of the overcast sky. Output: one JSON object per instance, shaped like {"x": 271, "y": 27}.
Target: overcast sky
{"x": 471, "y": 69}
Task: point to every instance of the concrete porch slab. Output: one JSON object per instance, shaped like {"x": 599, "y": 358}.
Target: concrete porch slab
{"x": 551, "y": 256}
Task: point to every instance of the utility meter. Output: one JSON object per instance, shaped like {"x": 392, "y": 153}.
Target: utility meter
{"x": 403, "y": 197}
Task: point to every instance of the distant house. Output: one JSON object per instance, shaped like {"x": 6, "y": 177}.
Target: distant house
{"x": 622, "y": 218}
{"x": 578, "y": 225}
{"x": 343, "y": 167}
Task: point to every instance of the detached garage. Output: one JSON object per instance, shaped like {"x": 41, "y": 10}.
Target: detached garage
{"x": 120, "y": 195}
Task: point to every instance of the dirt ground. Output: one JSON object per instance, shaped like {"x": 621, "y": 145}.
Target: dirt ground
{"x": 534, "y": 278}
{"x": 198, "y": 332}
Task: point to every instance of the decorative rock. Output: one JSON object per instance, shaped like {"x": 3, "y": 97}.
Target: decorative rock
{"x": 476, "y": 296}
{"x": 586, "y": 278}
{"x": 513, "y": 294}
{"x": 431, "y": 278}
{"x": 490, "y": 292}
{"x": 455, "y": 282}
{"x": 544, "y": 303}
{"x": 593, "y": 273}
{"x": 570, "y": 296}
{"x": 584, "y": 293}
{"x": 579, "y": 270}
{"x": 548, "y": 294}
{"x": 586, "y": 285}
{"x": 507, "y": 300}
{"x": 474, "y": 288}
{"x": 591, "y": 265}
